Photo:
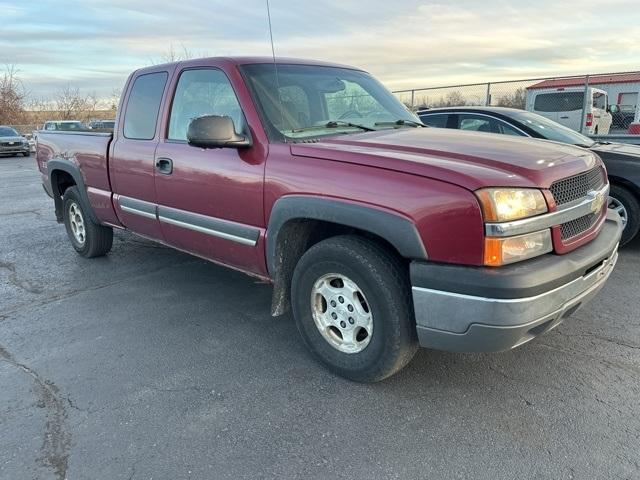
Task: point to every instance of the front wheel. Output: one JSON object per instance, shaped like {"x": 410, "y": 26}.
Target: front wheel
{"x": 352, "y": 305}
{"x": 626, "y": 204}
{"x": 88, "y": 239}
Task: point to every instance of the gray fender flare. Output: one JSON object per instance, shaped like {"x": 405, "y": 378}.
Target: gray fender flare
{"x": 72, "y": 169}
{"x": 397, "y": 230}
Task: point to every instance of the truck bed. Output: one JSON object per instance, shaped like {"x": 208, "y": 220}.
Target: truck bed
{"x": 88, "y": 150}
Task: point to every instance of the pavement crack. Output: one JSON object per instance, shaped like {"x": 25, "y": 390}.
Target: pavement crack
{"x": 16, "y": 281}
{"x": 606, "y": 339}
{"x": 56, "y": 442}
{"x": 35, "y": 212}
{"x": 77, "y": 291}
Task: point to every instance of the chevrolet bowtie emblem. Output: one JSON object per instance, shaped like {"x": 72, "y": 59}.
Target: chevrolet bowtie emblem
{"x": 598, "y": 201}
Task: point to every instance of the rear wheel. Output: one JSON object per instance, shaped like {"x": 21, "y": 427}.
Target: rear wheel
{"x": 626, "y": 204}
{"x": 26, "y": 154}
{"x": 352, "y": 305}
{"x": 88, "y": 239}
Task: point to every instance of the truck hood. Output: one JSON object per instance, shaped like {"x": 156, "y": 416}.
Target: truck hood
{"x": 470, "y": 159}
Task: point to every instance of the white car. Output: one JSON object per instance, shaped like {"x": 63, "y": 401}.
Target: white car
{"x": 564, "y": 105}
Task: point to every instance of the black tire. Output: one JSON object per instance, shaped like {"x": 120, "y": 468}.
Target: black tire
{"x": 384, "y": 282}
{"x": 630, "y": 203}
{"x": 26, "y": 154}
{"x": 96, "y": 239}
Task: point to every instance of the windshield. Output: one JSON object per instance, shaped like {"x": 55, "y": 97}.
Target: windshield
{"x": 551, "y": 130}
{"x": 8, "y": 132}
{"x": 305, "y": 101}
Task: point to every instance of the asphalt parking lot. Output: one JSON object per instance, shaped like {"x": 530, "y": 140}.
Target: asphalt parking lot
{"x": 149, "y": 363}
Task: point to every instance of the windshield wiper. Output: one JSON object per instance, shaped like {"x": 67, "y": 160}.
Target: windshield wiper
{"x": 334, "y": 124}
{"x": 584, "y": 145}
{"x": 402, "y": 122}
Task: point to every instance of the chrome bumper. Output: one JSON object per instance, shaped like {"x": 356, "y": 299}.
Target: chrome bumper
{"x": 467, "y": 323}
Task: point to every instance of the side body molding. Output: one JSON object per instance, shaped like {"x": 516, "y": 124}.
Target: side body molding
{"x": 397, "y": 230}
{"x": 72, "y": 169}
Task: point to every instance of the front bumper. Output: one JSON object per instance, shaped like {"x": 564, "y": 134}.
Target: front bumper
{"x": 13, "y": 149}
{"x": 478, "y": 309}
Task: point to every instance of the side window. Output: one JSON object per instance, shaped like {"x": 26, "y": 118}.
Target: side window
{"x": 600, "y": 100}
{"x": 474, "y": 123}
{"x": 203, "y": 92}
{"x": 436, "y": 120}
{"x": 505, "y": 129}
{"x": 143, "y": 106}
{"x": 559, "y": 102}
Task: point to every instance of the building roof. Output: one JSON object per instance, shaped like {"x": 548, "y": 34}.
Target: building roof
{"x": 593, "y": 80}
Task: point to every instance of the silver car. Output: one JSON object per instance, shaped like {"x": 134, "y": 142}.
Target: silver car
{"x": 12, "y": 143}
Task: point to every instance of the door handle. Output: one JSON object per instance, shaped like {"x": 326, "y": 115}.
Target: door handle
{"x": 164, "y": 166}
{"x": 564, "y": 117}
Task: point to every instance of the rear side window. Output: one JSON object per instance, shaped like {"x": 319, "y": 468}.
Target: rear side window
{"x": 143, "y": 106}
{"x": 437, "y": 121}
{"x": 559, "y": 102}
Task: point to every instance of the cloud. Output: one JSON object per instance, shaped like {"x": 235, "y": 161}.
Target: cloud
{"x": 406, "y": 44}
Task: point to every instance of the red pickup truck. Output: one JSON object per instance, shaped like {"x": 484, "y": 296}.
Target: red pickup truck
{"x": 378, "y": 233}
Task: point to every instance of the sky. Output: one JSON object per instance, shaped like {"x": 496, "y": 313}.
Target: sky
{"x": 95, "y": 44}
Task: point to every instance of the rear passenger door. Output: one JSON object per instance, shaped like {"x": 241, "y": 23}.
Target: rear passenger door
{"x": 210, "y": 201}
{"x": 132, "y": 160}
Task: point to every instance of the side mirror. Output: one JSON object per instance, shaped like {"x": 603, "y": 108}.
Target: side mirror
{"x": 214, "y": 131}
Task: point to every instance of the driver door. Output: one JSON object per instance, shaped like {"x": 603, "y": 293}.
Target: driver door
{"x": 210, "y": 201}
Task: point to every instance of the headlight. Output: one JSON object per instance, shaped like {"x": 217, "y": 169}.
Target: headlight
{"x": 500, "y": 251}
{"x": 504, "y": 204}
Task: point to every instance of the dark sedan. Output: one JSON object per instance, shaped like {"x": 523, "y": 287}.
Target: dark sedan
{"x": 12, "y": 143}
{"x": 622, "y": 160}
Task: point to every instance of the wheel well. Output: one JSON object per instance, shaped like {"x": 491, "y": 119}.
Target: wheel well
{"x": 60, "y": 182}
{"x": 296, "y": 237}
{"x": 621, "y": 182}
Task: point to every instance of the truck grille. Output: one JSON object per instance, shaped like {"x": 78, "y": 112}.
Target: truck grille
{"x": 574, "y": 188}
{"x": 576, "y": 227}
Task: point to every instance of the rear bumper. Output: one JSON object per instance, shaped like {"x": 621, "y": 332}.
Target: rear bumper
{"x": 476, "y": 309}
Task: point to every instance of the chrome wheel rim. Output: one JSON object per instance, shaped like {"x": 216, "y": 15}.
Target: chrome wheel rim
{"x": 615, "y": 204}
{"x": 76, "y": 220}
{"x": 341, "y": 313}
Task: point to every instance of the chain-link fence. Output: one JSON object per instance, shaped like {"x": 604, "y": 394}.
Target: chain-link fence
{"x": 599, "y": 104}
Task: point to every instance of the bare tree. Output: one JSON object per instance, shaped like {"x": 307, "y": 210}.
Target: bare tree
{"x": 12, "y": 96}
{"x": 114, "y": 99}
{"x": 69, "y": 102}
{"x": 517, "y": 99}
{"x": 453, "y": 99}
{"x": 174, "y": 55}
